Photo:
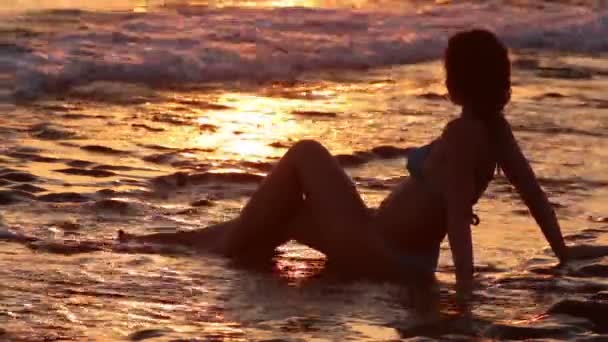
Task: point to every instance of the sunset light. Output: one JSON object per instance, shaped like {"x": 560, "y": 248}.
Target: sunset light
{"x": 303, "y": 170}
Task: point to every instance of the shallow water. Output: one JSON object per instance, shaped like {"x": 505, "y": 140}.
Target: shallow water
{"x": 151, "y": 121}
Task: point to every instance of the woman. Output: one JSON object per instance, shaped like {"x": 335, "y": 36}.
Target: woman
{"x": 309, "y": 198}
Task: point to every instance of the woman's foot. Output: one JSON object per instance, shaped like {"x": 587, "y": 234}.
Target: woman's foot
{"x": 8, "y": 235}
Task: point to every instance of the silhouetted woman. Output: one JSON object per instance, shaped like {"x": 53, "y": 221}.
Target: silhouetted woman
{"x": 309, "y": 198}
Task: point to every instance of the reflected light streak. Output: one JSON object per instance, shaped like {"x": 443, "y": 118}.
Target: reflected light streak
{"x": 248, "y": 131}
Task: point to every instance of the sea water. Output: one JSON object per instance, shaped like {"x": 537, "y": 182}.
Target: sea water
{"x": 164, "y": 115}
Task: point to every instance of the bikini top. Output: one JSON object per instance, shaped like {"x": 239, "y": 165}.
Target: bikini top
{"x": 415, "y": 162}
{"x": 416, "y": 158}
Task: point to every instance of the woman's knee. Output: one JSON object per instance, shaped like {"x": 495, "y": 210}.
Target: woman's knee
{"x": 309, "y": 148}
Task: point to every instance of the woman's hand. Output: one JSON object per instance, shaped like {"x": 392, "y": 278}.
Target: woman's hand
{"x": 586, "y": 252}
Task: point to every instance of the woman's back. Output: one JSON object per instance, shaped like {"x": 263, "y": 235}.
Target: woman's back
{"x": 413, "y": 216}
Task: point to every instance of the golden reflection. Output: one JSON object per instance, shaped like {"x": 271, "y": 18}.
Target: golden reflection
{"x": 248, "y": 129}
{"x": 134, "y": 5}
{"x": 148, "y": 5}
{"x": 296, "y": 265}
{"x": 302, "y": 3}
{"x": 317, "y": 3}
{"x": 250, "y": 148}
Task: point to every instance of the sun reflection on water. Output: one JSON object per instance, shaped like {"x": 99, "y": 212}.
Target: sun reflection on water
{"x": 248, "y": 129}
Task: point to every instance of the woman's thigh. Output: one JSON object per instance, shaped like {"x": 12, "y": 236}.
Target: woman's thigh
{"x": 348, "y": 251}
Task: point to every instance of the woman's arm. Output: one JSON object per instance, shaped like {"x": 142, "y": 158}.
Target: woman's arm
{"x": 520, "y": 174}
{"x": 463, "y": 139}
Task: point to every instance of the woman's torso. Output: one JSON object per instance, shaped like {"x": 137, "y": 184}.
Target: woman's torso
{"x": 413, "y": 216}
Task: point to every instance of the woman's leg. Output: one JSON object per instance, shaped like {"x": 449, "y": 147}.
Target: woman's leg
{"x": 307, "y": 186}
{"x": 309, "y": 181}
{"x": 205, "y": 239}
{"x": 308, "y": 171}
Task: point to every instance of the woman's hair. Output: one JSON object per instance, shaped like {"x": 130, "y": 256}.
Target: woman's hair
{"x": 478, "y": 76}
{"x": 478, "y": 72}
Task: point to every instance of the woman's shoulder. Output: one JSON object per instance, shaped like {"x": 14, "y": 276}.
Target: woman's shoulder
{"x": 466, "y": 129}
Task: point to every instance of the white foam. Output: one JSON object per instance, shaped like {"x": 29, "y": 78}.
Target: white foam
{"x": 207, "y": 45}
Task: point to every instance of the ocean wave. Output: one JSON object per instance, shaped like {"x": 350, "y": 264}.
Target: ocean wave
{"x": 188, "y": 45}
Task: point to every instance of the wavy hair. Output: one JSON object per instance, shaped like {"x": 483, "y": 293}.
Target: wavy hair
{"x": 478, "y": 72}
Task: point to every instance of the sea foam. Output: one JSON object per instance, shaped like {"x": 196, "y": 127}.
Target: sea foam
{"x": 186, "y": 45}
